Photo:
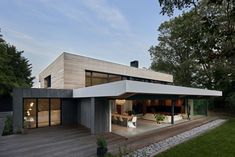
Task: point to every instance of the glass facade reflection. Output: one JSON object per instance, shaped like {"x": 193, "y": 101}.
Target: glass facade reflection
{"x": 55, "y": 112}
{"x": 41, "y": 112}
{"x": 30, "y": 113}
{"x": 94, "y": 78}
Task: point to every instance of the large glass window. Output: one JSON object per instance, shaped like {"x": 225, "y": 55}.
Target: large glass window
{"x": 113, "y": 78}
{"x": 88, "y": 79}
{"x": 55, "y": 111}
{"x": 43, "y": 112}
{"x": 94, "y": 78}
{"x": 99, "y": 78}
{"x": 30, "y": 113}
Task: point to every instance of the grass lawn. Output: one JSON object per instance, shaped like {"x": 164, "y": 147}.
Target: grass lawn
{"x": 219, "y": 142}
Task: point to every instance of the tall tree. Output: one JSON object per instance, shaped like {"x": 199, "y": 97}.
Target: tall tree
{"x": 168, "y": 6}
{"x": 173, "y": 53}
{"x": 15, "y": 70}
{"x": 204, "y": 38}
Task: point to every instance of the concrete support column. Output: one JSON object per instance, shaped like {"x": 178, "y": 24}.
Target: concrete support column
{"x": 100, "y": 115}
{"x": 110, "y": 115}
{"x": 172, "y": 111}
{"x": 92, "y": 122}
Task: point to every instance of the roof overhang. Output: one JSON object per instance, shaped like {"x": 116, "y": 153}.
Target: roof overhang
{"x": 128, "y": 88}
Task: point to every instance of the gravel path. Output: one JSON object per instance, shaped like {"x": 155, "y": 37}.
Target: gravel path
{"x": 163, "y": 145}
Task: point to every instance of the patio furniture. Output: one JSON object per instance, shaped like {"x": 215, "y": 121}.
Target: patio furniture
{"x": 150, "y": 116}
{"x": 114, "y": 120}
{"x": 121, "y": 121}
{"x": 132, "y": 123}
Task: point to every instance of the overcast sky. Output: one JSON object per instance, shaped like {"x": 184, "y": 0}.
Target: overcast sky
{"x": 115, "y": 30}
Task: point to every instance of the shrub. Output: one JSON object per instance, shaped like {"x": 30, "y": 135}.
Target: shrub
{"x": 159, "y": 117}
{"x": 102, "y": 147}
{"x": 8, "y": 128}
{"x": 101, "y": 142}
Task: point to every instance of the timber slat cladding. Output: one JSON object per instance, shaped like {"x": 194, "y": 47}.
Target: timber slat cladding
{"x": 68, "y": 71}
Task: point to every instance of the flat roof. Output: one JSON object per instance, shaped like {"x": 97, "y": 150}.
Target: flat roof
{"x": 129, "y": 87}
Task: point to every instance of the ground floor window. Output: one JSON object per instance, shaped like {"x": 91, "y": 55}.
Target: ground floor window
{"x": 30, "y": 113}
{"x": 41, "y": 112}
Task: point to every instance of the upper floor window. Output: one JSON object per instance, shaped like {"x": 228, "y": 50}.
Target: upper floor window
{"x": 47, "y": 81}
{"x": 94, "y": 78}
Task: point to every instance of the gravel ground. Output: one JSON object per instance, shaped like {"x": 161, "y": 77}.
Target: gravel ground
{"x": 163, "y": 145}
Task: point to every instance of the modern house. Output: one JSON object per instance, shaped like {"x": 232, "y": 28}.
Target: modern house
{"x": 104, "y": 97}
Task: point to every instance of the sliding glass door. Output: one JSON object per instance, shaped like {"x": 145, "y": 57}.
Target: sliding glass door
{"x": 42, "y": 112}
{"x": 30, "y": 114}
{"x": 55, "y": 112}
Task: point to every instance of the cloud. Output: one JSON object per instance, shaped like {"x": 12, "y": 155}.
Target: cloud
{"x": 109, "y": 14}
{"x": 26, "y": 42}
{"x": 95, "y": 15}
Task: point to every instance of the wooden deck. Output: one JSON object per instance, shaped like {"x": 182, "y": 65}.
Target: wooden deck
{"x": 54, "y": 141}
{"x": 77, "y": 141}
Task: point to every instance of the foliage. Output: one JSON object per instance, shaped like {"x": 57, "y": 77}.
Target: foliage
{"x": 101, "y": 142}
{"x": 15, "y": 70}
{"x": 200, "y": 106}
{"x": 198, "y": 48}
{"x": 168, "y": 6}
{"x": 231, "y": 100}
{"x": 159, "y": 117}
{"x": 215, "y": 143}
{"x": 8, "y": 128}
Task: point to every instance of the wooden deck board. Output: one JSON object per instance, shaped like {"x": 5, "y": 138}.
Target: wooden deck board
{"x": 77, "y": 141}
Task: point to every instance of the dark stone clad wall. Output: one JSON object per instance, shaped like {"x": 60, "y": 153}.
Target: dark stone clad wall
{"x": 69, "y": 111}
{"x": 102, "y": 115}
{"x": 93, "y": 113}
{"x": 20, "y": 93}
{"x": 85, "y": 112}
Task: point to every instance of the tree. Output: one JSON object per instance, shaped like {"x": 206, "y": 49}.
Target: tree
{"x": 168, "y": 6}
{"x": 199, "y": 44}
{"x": 15, "y": 70}
{"x": 173, "y": 53}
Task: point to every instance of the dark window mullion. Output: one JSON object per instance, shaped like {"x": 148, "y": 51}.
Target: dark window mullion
{"x": 36, "y": 113}
{"x": 108, "y": 79}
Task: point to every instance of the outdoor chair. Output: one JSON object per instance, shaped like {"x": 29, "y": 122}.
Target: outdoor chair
{"x": 132, "y": 123}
